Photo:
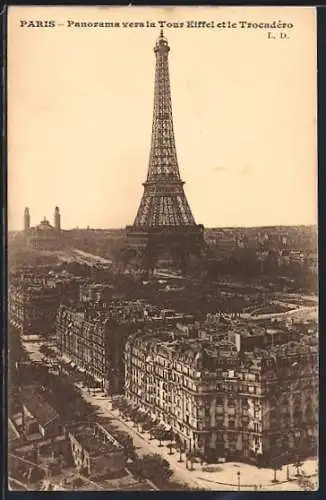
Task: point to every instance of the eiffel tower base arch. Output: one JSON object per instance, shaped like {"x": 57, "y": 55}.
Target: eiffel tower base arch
{"x": 168, "y": 249}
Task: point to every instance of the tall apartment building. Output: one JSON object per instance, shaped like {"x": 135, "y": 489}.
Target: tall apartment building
{"x": 223, "y": 402}
{"x": 34, "y": 298}
{"x": 93, "y": 340}
{"x": 32, "y": 307}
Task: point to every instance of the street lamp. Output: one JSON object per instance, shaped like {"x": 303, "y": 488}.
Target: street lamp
{"x": 238, "y": 476}
{"x": 287, "y": 472}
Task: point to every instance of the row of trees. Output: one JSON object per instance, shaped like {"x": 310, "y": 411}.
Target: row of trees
{"x": 61, "y": 394}
{"x": 145, "y": 423}
{"x": 246, "y": 265}
{"x": 152, "y": 467}
{"x": 281, "y": 456}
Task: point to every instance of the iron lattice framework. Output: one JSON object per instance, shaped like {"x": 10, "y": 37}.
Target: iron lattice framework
{"x": 164, "y": 202}
{"x": 164, "y": 213}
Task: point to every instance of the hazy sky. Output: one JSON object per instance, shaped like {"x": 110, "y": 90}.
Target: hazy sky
{"x": 80, "y": 115}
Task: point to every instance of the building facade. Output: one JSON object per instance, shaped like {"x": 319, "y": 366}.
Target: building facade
{"x": 226, "y": 403}
{"x": 94, "y": 340}
{"x": 32, "y": 307}
{"x": 95, "y": 292}
{"x": 95, "y": 451}
{"x": 44, "y": 236}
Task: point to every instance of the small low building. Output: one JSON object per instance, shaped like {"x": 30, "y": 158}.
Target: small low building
{"x": 95, "y": 451}
{"x": 38, "y": 417}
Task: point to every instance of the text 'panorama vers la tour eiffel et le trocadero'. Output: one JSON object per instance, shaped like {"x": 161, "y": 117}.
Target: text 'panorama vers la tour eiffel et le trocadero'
{"x": 70, "y": 23}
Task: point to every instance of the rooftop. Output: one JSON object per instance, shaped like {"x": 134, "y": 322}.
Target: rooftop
{"x": 94, "y": 444}
{"x": 40, "y": 409}
{"x": 192, "y": 349}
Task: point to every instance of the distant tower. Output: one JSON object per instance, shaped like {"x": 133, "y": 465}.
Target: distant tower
{"x": 57, "y": 219}
{"x": 164, "y": 221}
{"x": 27, "y": 219}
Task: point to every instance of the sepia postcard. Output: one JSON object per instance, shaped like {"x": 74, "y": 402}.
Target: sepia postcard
{"x": 162, "y": 236}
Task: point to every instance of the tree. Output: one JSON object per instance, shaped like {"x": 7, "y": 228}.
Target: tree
{"x": 277, "y": 463}
{"x": 120, "y": 405}
{"x": 170, "y": 445}
{"x": 147, "y": 426}
{"x": 160, "y": 435}
{"x": 126, "y": 441}
{"x": 179, "y": 447}
{"x": 134, "y": 415}
{"x": 190, "y": 456}
{"x": 153, "y": 467}
{"x": 170, "y": 437}
{"x": 298, "y": 464}
{"x": 285, "y": 458}
{"x": 148, "y": 423}
{"x": 125, "y": 409}
{"x": 138, "y": 417}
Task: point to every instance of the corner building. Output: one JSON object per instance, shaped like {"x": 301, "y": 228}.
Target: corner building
{"x": 223, "y": 403}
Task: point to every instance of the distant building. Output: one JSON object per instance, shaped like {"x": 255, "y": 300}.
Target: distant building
{"x": 95, "y": 451}
{"x": 44, "y": 236}
{"x": 32, "y": 307}
{"x": 249, "y": 337}
{"x": 312, "y": 262}
{"x": 223, "y": 402}
{"x": 67, "y": 288}
{"x": 95, "y": 292}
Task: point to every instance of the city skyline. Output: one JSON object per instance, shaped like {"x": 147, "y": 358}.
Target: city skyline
{"x": 245, "y": 146}
{"x": 35, "y": 223}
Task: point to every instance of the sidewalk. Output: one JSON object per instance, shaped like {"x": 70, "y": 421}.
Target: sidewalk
{"x": 221, "y": 476}
{"x": 142, "y": 442}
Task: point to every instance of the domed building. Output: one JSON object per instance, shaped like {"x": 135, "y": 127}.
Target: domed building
{"x": 44, "y": 236}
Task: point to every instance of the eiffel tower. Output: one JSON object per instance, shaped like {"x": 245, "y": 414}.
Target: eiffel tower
{"x": 164, "y": 229}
